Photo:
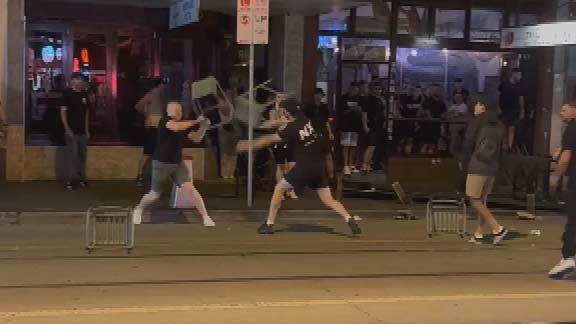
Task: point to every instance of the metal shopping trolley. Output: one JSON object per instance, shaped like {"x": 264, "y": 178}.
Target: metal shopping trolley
{"x": 446, "y": 216}
{"x": 109, "y": 226}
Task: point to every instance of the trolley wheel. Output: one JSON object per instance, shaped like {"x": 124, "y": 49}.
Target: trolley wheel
{"x": 129, "y": 250}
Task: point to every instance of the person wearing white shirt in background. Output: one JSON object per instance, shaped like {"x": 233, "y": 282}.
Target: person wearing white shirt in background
{"x": 458, "y": 115}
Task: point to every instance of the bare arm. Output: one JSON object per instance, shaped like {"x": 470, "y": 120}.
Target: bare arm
{"x": 87, "y": 124}
{"x": 179, "y": 126}
{"x": 258, "y": 143}
{"x": 563, "y": 163}
{"x": 64, "y": 119}
{"x": 522, "y": 107}
{"x": 142, "y": 103}
{"x": 365, "y": 121}
{"x": 271, "y": 124}
{"x": 198, "y": 135}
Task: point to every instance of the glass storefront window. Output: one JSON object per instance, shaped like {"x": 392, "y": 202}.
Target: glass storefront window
{"x": 328, "y": 67}
{"x": 44, "y": 86}
{"x": 90, "y": 59}
{"x": 365, "y": 49}
{"x": 480, "y": 71}
{"x": 336, "y": 21}
{"x": 450, "y": 23}
{"x": 528, "y": 19}
{"x": 485, "y": 25}
{"x": 412, "y": 20}
{"x": 374, "y": 18}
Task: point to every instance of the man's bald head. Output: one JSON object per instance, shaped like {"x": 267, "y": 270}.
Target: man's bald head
{"x": 174, "y": 110}
{"x": 568, "y": 112}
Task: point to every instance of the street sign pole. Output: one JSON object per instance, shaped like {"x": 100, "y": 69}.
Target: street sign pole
{"x": 250, "y": 13}
{"x": 250, "y": 194}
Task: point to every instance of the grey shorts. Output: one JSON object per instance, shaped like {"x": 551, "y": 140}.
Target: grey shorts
{"x": 161, "y": 172}
{"x": 349, "y": 139}
{"x": 478, "y": 187}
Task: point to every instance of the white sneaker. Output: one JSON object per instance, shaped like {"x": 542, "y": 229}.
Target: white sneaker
{"x": 347, "y": 170}
{"x": 292, "y": 195}
{"x": 564, "y": 268}
{"x": 137, "y": 215}
{"x": 357, "y": 218}
{"x": 209, "y": 222}
{"x": 354, "y": 170}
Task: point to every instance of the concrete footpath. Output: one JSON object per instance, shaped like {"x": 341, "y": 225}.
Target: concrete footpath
{"x": 50, "y": 203}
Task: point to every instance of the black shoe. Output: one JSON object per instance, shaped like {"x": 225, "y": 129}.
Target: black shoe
{"x": 69, "y": 186}
{"x": 83, "y": 184}
{"x": 498, "y": 238}
{"x": 266, "y": 229}
{"x": 356, "y": 230}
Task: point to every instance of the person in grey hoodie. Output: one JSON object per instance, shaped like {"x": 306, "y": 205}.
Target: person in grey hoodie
{"x": 481, "y": 155}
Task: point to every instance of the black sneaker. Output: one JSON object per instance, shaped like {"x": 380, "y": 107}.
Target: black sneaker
{"x": 356, "y": 230}
{"x": 83, "y": 184}
{"x": 498, "y": 238}
{"x": 266, "y": 229}
{"x": 476, "y": 239}
{"x": 69, "y": 186}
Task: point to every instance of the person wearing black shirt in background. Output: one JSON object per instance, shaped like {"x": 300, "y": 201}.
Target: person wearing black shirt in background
{"x": 460, "y": 90}
{"x": 373, "y": 107}
{"x": 566, "y": 268}
{"x": 167, "y": 160}
{"x": 74, "y": 116}
{"x": 319, "y": 115}
{"x": 310, "y": 169}
{"x": 433, "y": 109}
{"x": 512, "y": 104}
{"x": 410, "y": 105}
{"x": 350, "y": 125}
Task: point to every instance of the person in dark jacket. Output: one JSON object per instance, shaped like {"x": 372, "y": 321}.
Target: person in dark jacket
{"x": 566, "y": 268}
{"x": 481, "y": 157}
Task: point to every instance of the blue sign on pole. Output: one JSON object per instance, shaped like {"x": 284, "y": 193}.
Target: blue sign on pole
{"x": 184, "y": 12}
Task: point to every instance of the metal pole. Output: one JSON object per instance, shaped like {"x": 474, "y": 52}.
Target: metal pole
{"x": 446, "y": 54}
{"x": 250, "y": 193}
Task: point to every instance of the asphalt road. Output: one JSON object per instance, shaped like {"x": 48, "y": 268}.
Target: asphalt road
{"x": 310, "y": 272}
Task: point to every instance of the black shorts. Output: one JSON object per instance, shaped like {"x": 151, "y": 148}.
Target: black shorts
{"x": 373, "y": 138}
{"x": 314, "y": 178}
{"x": 510, "y": 118}
{"x": 150, "y": 140}
{"x": 283, "y": 154}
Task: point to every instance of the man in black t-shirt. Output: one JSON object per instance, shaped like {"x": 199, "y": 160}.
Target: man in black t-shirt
{"x": 349, "y": 113}
{"x": 167, "y": 160}
{"x": 460, "y": 90}
{"x": 512, "y": 103}
{"x": 320, "y": 116}
{"x": 567, "y": 167}
{"x": 75, "y": 119}
{"x": 310, "y": 169}
{"x": 373, "y": 108}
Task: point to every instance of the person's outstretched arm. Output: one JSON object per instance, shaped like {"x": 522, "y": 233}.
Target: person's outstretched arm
{"x": 259, "y": 143}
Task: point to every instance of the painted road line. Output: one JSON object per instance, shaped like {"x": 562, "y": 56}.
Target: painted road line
{"x": 288, "y": 304}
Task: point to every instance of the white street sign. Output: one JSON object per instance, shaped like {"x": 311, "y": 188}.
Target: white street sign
{"x": 554, "y": 34}
{"x": 253, "y": 18}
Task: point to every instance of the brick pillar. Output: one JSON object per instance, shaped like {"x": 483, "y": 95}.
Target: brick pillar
{"x": 14, "y": 89}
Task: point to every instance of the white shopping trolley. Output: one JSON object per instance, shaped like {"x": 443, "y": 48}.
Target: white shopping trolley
{"x": 109, "y": 226}
{"x": 446, "y": 216}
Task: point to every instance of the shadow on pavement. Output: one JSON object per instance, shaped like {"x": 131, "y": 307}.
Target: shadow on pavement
{"x": 311, "y": 228}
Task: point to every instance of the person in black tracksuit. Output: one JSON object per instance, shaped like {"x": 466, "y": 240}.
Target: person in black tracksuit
{"x": 310, "y": 169}
{"x": 566, "y": 268}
